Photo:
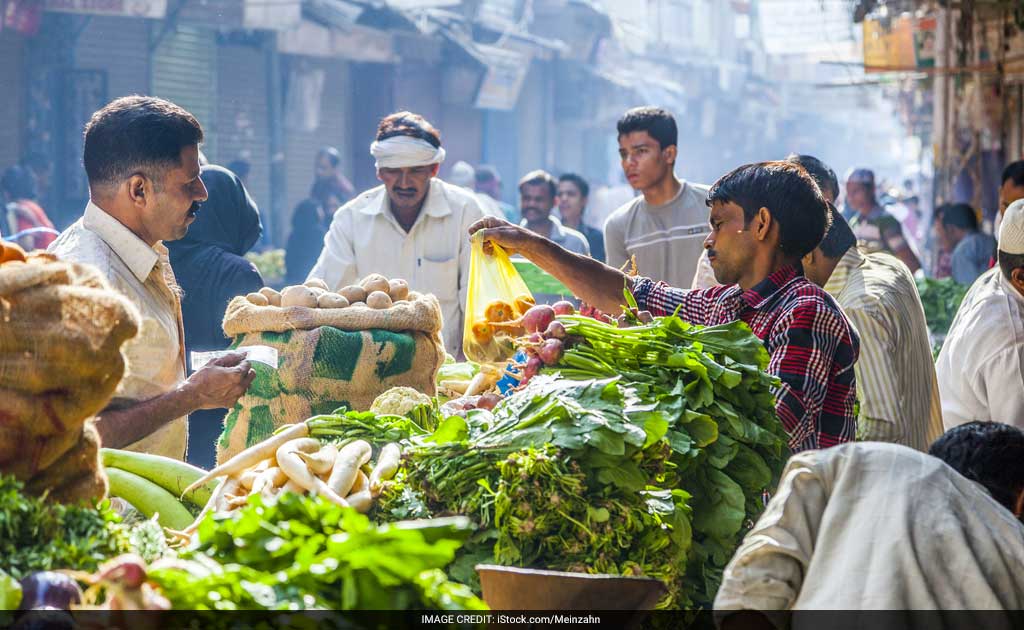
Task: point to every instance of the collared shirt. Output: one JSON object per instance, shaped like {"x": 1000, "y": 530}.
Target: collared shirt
{"x": 433, "y": 256}
{"x": 971, "y": 257}
{"x": 565, "y": 237}
{"x": 981, "y": 365}
{"x": 812, "y": 346}
{"x": 872, "y": 526}
{"x": 879, "y": 231}
{"x": 155, "y": 358}
{"x": 667, "y": 240}
{"x": 899, "y": 396}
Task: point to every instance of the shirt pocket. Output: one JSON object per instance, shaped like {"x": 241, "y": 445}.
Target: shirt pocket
{"x": 440, "y": 276}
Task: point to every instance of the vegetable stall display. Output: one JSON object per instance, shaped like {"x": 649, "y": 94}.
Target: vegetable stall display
{"x": 635, "y": 451}
{"x": 941, "y": 300}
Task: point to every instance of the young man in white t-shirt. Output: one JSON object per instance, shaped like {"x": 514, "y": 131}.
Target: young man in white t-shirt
{"x": 664, "y": 228}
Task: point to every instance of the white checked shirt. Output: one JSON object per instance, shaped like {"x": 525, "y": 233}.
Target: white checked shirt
{"x": 433, "y": 256}
{"x": 155, "y": 358}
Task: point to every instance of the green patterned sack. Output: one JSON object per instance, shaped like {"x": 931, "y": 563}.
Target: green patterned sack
{"x": 327, "y": 366}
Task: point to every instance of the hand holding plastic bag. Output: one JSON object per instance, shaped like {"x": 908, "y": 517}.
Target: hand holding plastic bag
{"x": 497, "y": 298}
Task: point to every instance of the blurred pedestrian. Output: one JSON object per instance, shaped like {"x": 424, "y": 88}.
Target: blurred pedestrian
{"x": 573, "y": 194}
{"x": 328, "y": 173}
{"x": 666, "y": 226}
{"x": 488, "y": 183}
{"x": 22, "y": 212}
{"x": 971, "y": 250}
{"x": 537, "y": 191}
{"x": 211, "y": 269}
{"x": 876, "y": 230}
{"x": 463, "y": 175}
{"x": 1012, "y": 187}
{"x": 941, "y": 254}
{"x": 309, "y": 224}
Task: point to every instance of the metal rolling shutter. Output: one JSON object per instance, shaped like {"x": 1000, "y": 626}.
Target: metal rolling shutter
{"x": 184, "y": 71}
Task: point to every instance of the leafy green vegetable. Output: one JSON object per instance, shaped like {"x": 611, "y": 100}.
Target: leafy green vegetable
{"x": 10, "y": 592}
{"x": 941, "y": 300}
{"x": 38, "y": 535}
{"x": 300, "y": 552}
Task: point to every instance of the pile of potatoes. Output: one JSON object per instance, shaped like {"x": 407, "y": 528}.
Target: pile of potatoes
{"x": 374, "y": 291}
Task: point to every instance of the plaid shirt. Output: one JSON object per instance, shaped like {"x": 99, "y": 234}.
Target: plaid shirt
{"x": 812, "y": 346}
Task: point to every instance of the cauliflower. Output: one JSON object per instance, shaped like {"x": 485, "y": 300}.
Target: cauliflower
{"x": 399, "y": 401}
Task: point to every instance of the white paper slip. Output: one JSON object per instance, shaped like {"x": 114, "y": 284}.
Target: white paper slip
{"x": 260, "y": 354}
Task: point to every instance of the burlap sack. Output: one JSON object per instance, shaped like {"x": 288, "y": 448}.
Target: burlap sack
{"x": 328, "y": 358}
{"x": 321, "y": 370}
{"x": 61, "y": 330}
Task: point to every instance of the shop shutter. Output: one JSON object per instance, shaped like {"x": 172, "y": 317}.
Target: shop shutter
{"x": 184, "y": 71}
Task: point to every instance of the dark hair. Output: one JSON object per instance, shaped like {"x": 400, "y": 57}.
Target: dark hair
{"x": 657, "y": 122}
{"x": 408, "y": 124}
{"x": 578, "y": 181}
{"x": 990, "y": 453}
{"x": 240, "y": 167}
{"x": 486, "y": 173}
{"x": 539, "y": 178}
{"x": 788, "y": 192}
{"x": 1014, "y": 171}
{"x": 820, "y": 172}
{"x": 19, "y": 183}
{"x": 839, "y": 238}
{"x": 331, "y": 154}
{"x": 137, "y": 134}
{"x": 959, "y": 215}
{"x": 1009, "y": 262}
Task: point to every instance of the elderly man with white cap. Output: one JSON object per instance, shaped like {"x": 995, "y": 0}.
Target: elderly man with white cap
{"x": 412, "y": 227}
{"x": 981, "y": 366}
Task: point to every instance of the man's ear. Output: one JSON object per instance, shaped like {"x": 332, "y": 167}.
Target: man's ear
{"x": 808, "y": 260}
{"x": 139, "y": 188}
{"x": 670, "y": 153}
{"x": 763, "y": 222}
{"x": 434, "y": 171}
{"x": 1017, "y": 279}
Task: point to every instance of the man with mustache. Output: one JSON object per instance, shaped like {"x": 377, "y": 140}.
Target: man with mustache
{"x": 537, "y": 192}
{"x": 142, "y": 160}
{"x": 764, "y": 219}
{"x": 412, "y": 227}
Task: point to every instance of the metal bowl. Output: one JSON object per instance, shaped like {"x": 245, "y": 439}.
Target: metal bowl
{"x": 513, "y": 588}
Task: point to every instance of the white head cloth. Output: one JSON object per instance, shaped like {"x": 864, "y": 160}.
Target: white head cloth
{"x": 405, "y": 152}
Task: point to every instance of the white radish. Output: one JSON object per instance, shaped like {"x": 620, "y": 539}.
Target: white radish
{"x": 361, "y": 501}
{"x": 321, "y": 461}
{"x": 252, "y": 455}
{"x": 350, "y": 459}
{"x": 290, "y": 462}
{"x": 268, "y": 480}
{"x": 386, "y": 467}
{"x": 361, "y": 483}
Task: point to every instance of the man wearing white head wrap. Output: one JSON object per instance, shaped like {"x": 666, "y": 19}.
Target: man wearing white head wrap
{"x": 981, "y": 366}
{"x": 412, "y": 227}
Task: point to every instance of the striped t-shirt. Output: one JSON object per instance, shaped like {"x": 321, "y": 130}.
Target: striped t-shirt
{"x": 898, "y": 391}
{"x": 667, "y": 240}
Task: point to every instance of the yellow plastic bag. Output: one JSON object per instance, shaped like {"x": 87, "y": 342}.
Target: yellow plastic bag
{"x": 497, "y": 296}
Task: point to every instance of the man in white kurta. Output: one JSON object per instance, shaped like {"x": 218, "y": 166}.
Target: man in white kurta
{"x": 412, "y": 227}
{"x": 877, "y": 526}
{"x": 981, "y": 365}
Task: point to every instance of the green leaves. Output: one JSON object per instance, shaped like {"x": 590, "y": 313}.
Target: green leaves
{"x": 304, "y": 552}
{"x": 718, "y": 507}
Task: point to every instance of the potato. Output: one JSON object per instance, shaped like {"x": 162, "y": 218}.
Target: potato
{"x": 378, "y": 299}
{"x": 316, "y": 283}
{"x": 298, "y": 296}
{"x": 272, "y": 296}
{"x": 317, "y": 290}
{"x": 331, "y": 300}
{"x": 375, "y": 282}
{"x": 353, "y": 294}
{"x": 258, "y": 299}
{"x": 398, "y": 289}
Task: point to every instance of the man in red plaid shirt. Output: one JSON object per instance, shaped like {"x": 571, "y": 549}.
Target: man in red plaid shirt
{"x": 764, "y": 218}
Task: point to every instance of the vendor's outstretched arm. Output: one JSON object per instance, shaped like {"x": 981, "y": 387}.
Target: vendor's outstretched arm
{"x": 593, "y": 282}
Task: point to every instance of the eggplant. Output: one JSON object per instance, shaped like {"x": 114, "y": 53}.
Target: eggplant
{"x": 49, "y": 590}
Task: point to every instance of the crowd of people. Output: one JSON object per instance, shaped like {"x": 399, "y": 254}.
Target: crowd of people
{"x": 829, "y": 290}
